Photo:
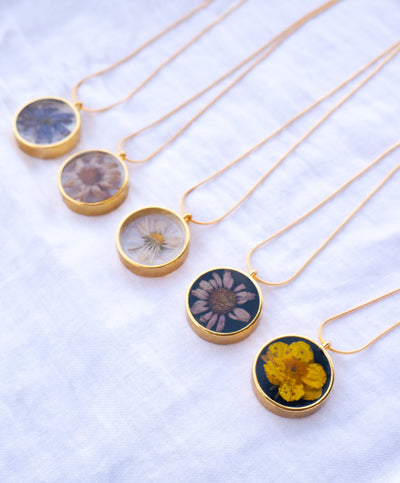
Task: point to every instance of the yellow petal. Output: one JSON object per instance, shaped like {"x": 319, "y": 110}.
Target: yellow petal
{"x": 275, "y": 372}
{"x": 315, "y": 377}
{"x": 310, "y": 393}
{"x": 291, "y": 391}
{"x": 277, "y": 351}
{"x": 301, "y": 350}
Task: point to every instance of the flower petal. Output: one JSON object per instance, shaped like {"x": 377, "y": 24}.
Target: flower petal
{"x": 310, "y": 393}
{"x": 206, "y": 317}
{"x": 240, "y": 287}
{"x": 291, "y": 390}
{"x": 221, "y": 323}
{"x": 301, "y": 350}
{"x": 218, "y": 279}
{"x": 243, "y": 297}
{"x": 315, "y": 377}
{"x": 200, "y": 294}
{"x": 206, "y": 286}
{"x": 199, "y": 307}
{"x": 228, "y": 280}
{"x": 213, "y": 283}
{"x": 275, "y": 372}
{"x": 212, "y": 322}
{"x": 241, "y": 314}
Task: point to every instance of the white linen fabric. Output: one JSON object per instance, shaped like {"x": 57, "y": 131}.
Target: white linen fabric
{"x": 101, "y": 377}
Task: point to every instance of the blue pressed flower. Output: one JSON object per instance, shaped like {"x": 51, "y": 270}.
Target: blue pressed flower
{"x": 46, "y": 121}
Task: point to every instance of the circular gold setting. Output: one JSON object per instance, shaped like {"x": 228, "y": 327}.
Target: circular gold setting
{"x": 48, "y": 150}
{"x": 223, "y": 305}
{"x": 153, "y": 241}
{"x": 110, "y": 163}
{"x": 296, "y": 365}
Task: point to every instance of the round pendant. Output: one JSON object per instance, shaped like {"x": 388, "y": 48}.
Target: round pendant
{"x": 292, "y": 376}
{"x": 47, "y": 128}
{"x": 93, "y": 182}
{"x": 153, "y": 241}
{"x": 223, "y": 305}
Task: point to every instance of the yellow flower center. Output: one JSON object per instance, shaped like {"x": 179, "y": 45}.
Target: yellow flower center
{"x": 295, "y": 368}
{"x": 222, "y": 300}
{"x": 157, "y": 237}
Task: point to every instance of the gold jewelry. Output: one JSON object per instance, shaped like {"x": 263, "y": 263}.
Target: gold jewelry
{"x": 260, "y": 54}
{"x": 215, "y": 325}
{"x": 292, "y": 375}
{"x": 50, "y": 127}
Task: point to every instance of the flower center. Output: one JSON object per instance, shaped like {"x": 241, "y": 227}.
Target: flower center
{"x": 222, "y": 300}
{"x": 157, "y": 237}
{"x": 90, "y": 175}
{"x": 295, "y": 368}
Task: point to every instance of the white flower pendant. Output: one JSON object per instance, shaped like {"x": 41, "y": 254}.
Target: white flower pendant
{"x": 47, "y": 127}
{"x": 93, "y": 182}
{"x": 153, "y": 241}
{"x": 223, "y": 305}
{"x": 292, "y": 376}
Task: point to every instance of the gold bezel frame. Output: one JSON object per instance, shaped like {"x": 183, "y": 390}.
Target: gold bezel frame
{"x": 280, "y": 409}
{"x": 229, "y": 337}
{"x": 99, "y": 207}
{"x": 152, "y": 270}
{"x": 54, "y": 150}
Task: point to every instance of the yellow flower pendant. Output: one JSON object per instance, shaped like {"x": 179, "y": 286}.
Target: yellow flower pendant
{"x": 292, "y": 376}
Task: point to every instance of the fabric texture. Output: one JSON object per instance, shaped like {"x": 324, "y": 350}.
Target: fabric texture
{"x": 101, "y": 377}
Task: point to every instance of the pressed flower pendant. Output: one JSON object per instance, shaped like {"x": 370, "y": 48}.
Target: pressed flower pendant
{"x": 47, "y": 127}
{"x": 153, "y": 241}
{"x": 292, "y": 376}
{"x": 223, "y": 305}
{"x": 93, "y": 182}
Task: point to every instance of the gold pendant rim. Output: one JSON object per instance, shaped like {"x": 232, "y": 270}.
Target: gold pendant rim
{"x": 53, "y": 150}
{"x": 152, "y": 270}
{"x": 228, "y": 337}
{"x": 280, "y": 409}
{"x": 99, "y": 207}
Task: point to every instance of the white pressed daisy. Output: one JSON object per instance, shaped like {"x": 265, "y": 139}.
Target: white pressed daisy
{"x": 154, "y": 239}
{"x": 92, "y": 178}
{"x": 219, "y": 299}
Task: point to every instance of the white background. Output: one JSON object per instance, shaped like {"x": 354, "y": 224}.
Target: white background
{"x": 101, "y": 377}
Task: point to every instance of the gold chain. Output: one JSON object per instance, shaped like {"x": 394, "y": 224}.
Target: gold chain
{"x": 262, "y": 52}
{"x": 319, "y": 205}
{"x": 388, "y": 54}
{"x": 146, "y": 44}
{"x": 328, "y": 344}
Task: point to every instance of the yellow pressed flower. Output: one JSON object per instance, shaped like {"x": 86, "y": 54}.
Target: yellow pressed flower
{"x": 292, "y": 368}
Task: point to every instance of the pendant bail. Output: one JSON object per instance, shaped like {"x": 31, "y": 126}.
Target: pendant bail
{"x": 187, "y": 217}
{"x": 253, "y": 274}
{"x": 327, "y": 344}
{"x": 78, "y": 105}
{"x": 122, "y": 155}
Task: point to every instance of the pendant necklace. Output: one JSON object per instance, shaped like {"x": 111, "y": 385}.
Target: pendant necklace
{"x": 292, "y": 375}
{"x": 154, "y": 241}
{"x": 94, "y": 182}
{"x": 50, "y": 127}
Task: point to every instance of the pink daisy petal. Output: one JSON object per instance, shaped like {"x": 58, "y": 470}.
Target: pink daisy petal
{"x": 228, "y": 280}
{"x": 241, "y": 314}
{"x": 206, "y": 317}
{"x": 212, "y": 322}
{"x": 200, "y": 294}
{"x": 232, "y": 316}
{"x": 199, "y": 307}
{"x": 206, "y": 286}
{"x": 218, "y": 279}
{"x": 243, "y": 297}
{"x": 221, "y": 323}
{"x": 240, "y": 287}
{"x": 214, "y": 283}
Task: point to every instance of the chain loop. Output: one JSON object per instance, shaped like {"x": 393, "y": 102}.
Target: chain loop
{"x": 335, "y": 317}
